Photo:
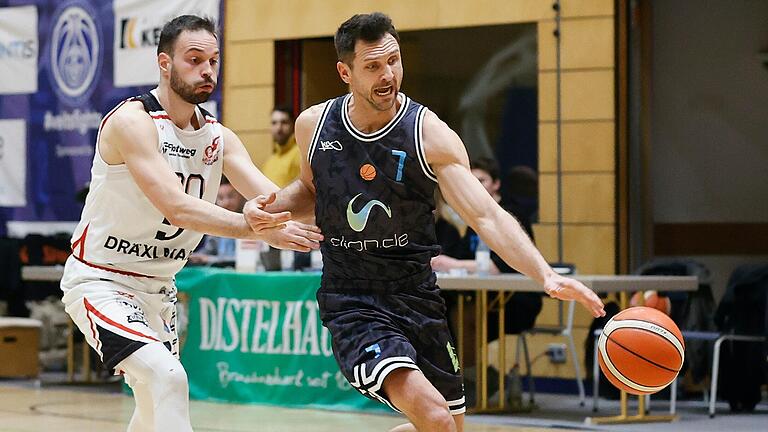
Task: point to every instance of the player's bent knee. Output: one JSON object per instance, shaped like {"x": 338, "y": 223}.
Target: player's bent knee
{"x": 440, "y": 419}
{"x": 172, "y": 380}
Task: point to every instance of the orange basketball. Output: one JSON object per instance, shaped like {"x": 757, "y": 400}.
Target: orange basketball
{"x": 367, "y": 172}
{"x": 651, "y": 299}
{"x": 641, "y": 350}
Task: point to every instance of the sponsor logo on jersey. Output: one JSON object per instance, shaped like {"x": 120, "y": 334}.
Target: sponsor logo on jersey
{"x": 128, "y": 305}
{"x": 452, "y": 355}
{"x": 331, "y": 145}
{"x": 75, "y": 54}
{"x": 138, "y": 317}
{"x": 375, "y": 349}
{"x": 176, "y": 150}
{"x": 211, "y": 153}
{"x": 142, "y": 250}
{"x": 358, "y": 220}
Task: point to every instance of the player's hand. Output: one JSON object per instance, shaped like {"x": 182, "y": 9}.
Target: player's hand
{"x": 564, "y": 288}
{"x": 259, "y": 219}
{"x": 294, "y": 236}
{"x": 444, "y": 263}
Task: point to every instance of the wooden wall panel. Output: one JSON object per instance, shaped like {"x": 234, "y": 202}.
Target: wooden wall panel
{"x": 293, "y": 19}
{"x": 587, "y": 43}
{"x": 591, "y": 246}
{"x": 586, "y": 95}
{"x": 249, "y": 63}
{"x": 586, "y": 146}
{"x": 537, "y": 345}
{"x": 587, "y": 198}
{"x": 258, "y": 144}
{"x": 248, "y": 108}
{"x": 584, "y": 8}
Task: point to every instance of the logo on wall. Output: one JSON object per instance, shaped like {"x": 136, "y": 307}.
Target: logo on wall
{"x": 137, "y": 33}
{"x": 75, "y": 53}
{"x": 18, "y": 49}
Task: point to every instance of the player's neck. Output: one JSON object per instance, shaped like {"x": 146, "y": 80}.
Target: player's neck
{"x": 368, "y": 119}
{"x": 181, "y": 112}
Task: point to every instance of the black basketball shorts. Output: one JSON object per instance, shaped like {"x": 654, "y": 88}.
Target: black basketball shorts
{"x": 378, "y": 327}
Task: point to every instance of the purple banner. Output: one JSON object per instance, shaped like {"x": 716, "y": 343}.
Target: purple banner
{"x": 75, "y": 89}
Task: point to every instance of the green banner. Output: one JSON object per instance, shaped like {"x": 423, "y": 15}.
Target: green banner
{"x": 258, "y": 338}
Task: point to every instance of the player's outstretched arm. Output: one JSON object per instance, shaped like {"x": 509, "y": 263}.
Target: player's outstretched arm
{"x": 463, "y": 192}
{"x": 249, "y": 181}
{"x": 129, "y": 137}
{"x": 299, "y": 196}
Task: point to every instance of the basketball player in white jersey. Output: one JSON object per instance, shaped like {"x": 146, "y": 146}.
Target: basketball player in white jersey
{"x": 156, "y": 172}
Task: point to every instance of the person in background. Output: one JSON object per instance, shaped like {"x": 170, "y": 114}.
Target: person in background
{"x": 283, "y": 164}
{"x": 282, "y": 167}
{"x": 215, "y": 250}
{"x": 459, "y": 241}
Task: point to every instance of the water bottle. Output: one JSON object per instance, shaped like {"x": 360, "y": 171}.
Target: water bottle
{"x": 316, "y": 259}
{"x": 482, "y": 258}
{"x": 247, "y": 255}
{"x": 286, "y": 260}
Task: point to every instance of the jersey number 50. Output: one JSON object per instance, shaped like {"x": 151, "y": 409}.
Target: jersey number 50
{"x": 187, "y": 183}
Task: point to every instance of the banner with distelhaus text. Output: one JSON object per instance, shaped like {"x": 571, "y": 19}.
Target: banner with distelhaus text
{"x": 258, "y": 338}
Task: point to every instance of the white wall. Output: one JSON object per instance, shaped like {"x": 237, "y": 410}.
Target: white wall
{"x": 709, "y": 111}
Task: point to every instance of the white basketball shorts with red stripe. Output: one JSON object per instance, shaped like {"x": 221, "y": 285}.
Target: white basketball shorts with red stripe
{"x": 119, "y": 313}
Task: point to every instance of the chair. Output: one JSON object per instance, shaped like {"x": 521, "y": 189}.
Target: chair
{"x": 718, "y": 339}
{"x": 564, "y": 329}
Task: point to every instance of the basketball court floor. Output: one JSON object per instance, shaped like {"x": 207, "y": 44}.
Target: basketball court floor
{"x": 25, "y": 409}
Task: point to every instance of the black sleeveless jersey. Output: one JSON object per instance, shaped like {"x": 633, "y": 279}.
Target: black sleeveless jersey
{"x": 375, "y": 195}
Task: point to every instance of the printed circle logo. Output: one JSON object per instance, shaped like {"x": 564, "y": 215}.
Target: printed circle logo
{"x": 368, "y": 172}
{"x": 75, "y": 52}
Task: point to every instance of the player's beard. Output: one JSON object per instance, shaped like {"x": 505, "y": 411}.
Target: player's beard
{"x": 187, "y": 92}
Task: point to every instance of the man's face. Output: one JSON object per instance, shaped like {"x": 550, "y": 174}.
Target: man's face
{"x": 376, "y": 72}
{"x": 490, "y": 185}
{"x": 282, "y": 127}
{"x": 194, "y": 66}
{"x": 229, "y": 198}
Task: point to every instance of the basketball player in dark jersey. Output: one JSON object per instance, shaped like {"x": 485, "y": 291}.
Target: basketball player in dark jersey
{"x": 371, "y": 162}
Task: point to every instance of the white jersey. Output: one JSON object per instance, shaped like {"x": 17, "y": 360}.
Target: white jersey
{"x": 120, "y": 229}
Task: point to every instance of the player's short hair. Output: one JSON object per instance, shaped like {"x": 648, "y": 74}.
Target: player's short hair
{"x": 284, "y": 109}
{"x": 488, "y": 165}
{"x": 368, "y": 27}
{"x": 173, "y": 28}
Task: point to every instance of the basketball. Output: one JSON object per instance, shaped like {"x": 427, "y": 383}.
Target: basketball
{"x": 367, "y": 172}
{"x": 641, "y": 350}
{"x": 651, "y": 299}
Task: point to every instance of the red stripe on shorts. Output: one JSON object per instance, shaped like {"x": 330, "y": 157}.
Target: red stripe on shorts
{"x": 106, "y": 319}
